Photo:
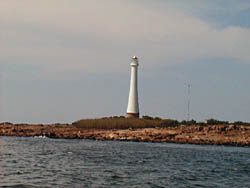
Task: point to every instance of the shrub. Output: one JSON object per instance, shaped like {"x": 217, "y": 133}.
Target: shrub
{"x": 191, "y": 122}
{"x": 170, "y": 123}
{"x": 215, "y": 122}
{"x": 241, "y": 123}
{"x": 147, "y": 117}
{"x": 157, "y": 119}
{"x": 116, "y": 123}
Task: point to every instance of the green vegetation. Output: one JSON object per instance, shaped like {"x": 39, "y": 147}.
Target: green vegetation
{"x": 191, "y": 122}
{"x": 120, "y": 122}
{"x": 216, "y": 122}
{"x": 241, "y": 123}
{"x": 124, "y": 123}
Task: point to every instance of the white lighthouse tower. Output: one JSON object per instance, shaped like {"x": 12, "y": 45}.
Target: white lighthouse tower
{"x": 133, "y": 104}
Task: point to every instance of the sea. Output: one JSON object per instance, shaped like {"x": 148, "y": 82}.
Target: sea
{"x": 43, "y": 162}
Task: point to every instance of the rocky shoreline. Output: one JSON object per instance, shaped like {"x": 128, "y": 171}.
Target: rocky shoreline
{"x": 234, "y": 135}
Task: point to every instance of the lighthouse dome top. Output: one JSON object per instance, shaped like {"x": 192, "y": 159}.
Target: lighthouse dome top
{"x": 134, "y": 61}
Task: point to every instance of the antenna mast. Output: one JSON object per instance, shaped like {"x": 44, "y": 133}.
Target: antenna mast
{"x": 188, "y": 101}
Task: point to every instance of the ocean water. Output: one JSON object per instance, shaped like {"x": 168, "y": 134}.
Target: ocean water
{"x": 44, "y": 162}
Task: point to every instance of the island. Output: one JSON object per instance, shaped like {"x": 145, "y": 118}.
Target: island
{"x": 146, "y": 129}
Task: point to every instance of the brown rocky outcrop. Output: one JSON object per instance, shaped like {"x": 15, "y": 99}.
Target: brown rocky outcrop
{"x": 195, "y": 134}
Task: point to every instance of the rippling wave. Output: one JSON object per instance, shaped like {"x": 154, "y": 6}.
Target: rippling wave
{"x": 32, "y": 162}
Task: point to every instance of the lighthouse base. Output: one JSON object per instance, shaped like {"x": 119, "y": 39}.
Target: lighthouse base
{"x": 133, "y": 115}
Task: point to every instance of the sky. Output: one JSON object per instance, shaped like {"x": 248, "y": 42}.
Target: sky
{"x": 62, "y": 61}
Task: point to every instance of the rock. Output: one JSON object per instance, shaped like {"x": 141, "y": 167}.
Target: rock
{"x": 209, "y": 134}
{"x": 231, "y": 127}
{"x": 113, "y": 136}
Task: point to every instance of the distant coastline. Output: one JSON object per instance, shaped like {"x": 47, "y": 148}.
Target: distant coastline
{"x": 139, "y": 130}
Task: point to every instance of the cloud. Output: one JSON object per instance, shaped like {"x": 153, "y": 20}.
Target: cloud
{"x": 58, "y": 56}
{"x": 67, "y": 36}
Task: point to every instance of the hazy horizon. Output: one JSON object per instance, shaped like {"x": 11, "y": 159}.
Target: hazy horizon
{"x": 62, "y": 61}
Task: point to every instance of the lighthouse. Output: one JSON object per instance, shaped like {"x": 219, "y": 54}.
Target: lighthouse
{"x": 133, "y": 103}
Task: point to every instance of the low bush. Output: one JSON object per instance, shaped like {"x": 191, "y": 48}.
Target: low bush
{"x": 118, "y": 123}
{"x": 124, "y": 123}
{"x": 241, "y": 123}
{"x": 216, "y": 122}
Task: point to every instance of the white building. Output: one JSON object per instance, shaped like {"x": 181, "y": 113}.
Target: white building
{"x": 133, "y": 103}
